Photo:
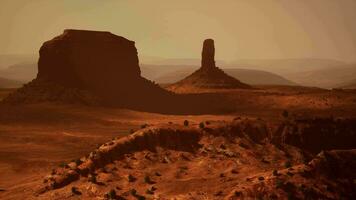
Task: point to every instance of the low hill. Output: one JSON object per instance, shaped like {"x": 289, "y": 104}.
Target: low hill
{"x": 308, "y": 72}
{"x": 327, "y": 77}
{"x": 8, "y": 83}
{"x": 23, "y": 72}
{"x": 249, "y": 76}
{"x": 349, "y": 85}
{"x": 7, "y": 60}
{"x": 288, "y": 66}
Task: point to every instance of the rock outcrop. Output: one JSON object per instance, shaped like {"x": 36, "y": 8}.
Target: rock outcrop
{"x": 209, "y": 76}
{"x": 317, "y": 134}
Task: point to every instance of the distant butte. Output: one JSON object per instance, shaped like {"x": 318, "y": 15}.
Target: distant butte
{"x": 209, "y": 75}
{"x": 90, "y": 67}
{"x": 100, "y": 68}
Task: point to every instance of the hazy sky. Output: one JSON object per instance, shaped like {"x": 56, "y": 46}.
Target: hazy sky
{"x": 242, "y": 29}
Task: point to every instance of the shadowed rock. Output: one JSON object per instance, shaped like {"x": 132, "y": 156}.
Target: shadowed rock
{"x": 208, "y": 75}
{"x": 100, "y": 68}
{"x": 80, "y": 59}
{"x": 208, "y": 54}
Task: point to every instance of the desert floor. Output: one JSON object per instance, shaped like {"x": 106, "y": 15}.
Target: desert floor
{"x": 39, "y": 137}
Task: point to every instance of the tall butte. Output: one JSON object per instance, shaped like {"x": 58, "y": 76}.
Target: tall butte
{"x": 208, "y": 54}
{"x": 208, "y": 75}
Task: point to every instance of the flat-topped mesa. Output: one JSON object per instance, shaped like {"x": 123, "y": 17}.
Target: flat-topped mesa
{"x": 89, "y": 60}
{"x": 208, "y": 54}
{"x": 91, "y": 67}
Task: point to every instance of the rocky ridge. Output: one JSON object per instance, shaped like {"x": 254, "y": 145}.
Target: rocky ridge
{"x": 171, "y": 161}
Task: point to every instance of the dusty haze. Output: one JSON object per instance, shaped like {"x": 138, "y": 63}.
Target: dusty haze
{"x": 253, "y": 29}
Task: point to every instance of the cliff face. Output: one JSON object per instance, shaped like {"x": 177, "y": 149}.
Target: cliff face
{"x": 90, "y": 60}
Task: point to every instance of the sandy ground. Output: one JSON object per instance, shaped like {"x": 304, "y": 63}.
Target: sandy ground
{"x": 36, "y": 138}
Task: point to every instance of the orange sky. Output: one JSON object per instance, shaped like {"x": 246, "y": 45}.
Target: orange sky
{"x": 242, "y": 29}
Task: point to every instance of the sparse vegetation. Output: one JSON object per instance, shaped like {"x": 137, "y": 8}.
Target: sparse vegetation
{"x": 92, "y": 178}
{"x": 133, "y": 192}
{"x": 279, "y": 183}
{"x": 148, "y": 180}
{"x": 149, "y": 191}
{"x": 78, "y": 161}
{"x": 290, "y": 174}
{"x": 219, "y": 193}
{"x": 275, "y": 173}
{"x": 285, "y": 114}
{"x": 75, "y": 191}
{"x": 237, "y": 193}
{"x": 136, "y": 195}
{"x": 288, "y": 164}
{"x": 62, "y": 164}
{"x": 131, "y": 178}
{"x": 243, "y": 145}
{"x": 111, "y": 194}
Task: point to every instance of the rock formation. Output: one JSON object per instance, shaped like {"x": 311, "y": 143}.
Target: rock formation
{"x": 208, "y": 54}
{"x": 102, "y": 64}
{"x": 80, "y": 59}
{"x": 208, "y": 76}
{"x": 100, "y": 68}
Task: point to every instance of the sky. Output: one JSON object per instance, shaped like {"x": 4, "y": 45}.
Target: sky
{"x": 242, "y": 29}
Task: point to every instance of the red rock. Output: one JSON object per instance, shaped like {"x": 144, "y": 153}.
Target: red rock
{"x": 80, "y": 59}
{"x": 208, "y": 54}
{"x": 208, "y": 76}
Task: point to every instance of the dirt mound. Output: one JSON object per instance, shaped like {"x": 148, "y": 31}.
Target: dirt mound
{"x": 209, "y": 76}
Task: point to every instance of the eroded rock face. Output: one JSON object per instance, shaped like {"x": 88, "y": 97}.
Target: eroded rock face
{"x": 208, "y": 54}
{"x": 80, "y": 59}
